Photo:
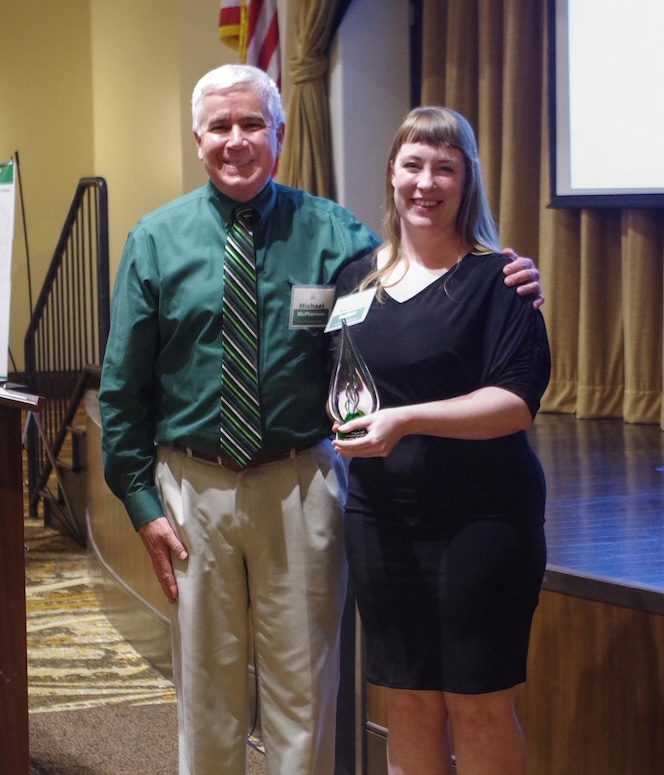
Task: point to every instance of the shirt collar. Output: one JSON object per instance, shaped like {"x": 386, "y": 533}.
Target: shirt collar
{"x": 263, "y": 203}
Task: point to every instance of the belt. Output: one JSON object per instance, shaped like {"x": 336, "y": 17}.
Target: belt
{"x": 224, "y": 461}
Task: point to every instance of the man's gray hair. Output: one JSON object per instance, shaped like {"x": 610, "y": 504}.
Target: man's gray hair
{"x": 227, "y": 76}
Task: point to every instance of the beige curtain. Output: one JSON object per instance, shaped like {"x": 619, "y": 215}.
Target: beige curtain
{"x": 306, "y": 159}
{"x": 601, "y": 269}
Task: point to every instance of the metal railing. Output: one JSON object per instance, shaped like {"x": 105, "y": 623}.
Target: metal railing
{"x": 66, "y": 338}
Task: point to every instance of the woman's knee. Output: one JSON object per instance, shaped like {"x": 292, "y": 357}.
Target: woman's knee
{"x": 481, "y": 711}
{"x": 416, "y": 704}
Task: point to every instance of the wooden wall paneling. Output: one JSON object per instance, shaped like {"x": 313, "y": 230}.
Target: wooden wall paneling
{"x": 594, "y": 700}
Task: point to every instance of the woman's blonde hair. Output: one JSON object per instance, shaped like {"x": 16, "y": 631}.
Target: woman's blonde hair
{"x": 439, "y": 126}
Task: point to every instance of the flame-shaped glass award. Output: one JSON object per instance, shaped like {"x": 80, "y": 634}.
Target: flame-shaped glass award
{"x": 352, "y": 389}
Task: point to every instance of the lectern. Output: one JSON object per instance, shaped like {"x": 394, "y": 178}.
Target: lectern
{"x": 14, "y": 736}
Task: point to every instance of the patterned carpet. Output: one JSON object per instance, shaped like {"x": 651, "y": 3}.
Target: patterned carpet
{"x": 96, "y": 706}
{"x": 76, "y": 658}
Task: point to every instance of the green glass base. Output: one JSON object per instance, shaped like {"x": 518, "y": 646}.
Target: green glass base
{"x": 357, "y": 432}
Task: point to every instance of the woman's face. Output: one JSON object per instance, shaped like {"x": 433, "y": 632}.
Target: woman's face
{"x": 429, "y": 182}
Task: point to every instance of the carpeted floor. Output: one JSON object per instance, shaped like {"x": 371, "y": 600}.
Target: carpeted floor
{"x": 76, "y": 658}
{"x": 111, "y": 740}
{"x": 96, "y": 706}
{"x": 105, "y": 740}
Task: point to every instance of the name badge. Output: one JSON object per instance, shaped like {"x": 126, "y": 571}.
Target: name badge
{"x": 352, "y": 308}
{"x": 311, "y": 305}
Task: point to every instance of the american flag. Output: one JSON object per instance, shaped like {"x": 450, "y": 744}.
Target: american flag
{"x": 252, "y": 27}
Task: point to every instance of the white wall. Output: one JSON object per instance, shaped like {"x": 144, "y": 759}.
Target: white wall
{"x": 45, "y": 116}
{"x": 135, "y": 87}
{"x": 369, "y": 94}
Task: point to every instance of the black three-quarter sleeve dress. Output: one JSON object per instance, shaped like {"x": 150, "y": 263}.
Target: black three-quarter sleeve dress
{"x": 445, "y": 537}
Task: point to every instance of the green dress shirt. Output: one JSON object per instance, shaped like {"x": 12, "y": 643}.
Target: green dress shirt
{"x": 161, "y": 374}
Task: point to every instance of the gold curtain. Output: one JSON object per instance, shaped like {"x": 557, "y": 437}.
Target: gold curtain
{"x": 601, "y": 269}
{"x": 306, "y": 159}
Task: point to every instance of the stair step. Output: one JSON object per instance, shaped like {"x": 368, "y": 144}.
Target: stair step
{"x": 56, "y": 514}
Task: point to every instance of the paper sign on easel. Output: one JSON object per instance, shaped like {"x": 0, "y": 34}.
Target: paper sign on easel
{"x": 6, "y": 240}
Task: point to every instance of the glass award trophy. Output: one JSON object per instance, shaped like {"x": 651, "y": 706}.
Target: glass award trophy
{"x": 352, "y": 389}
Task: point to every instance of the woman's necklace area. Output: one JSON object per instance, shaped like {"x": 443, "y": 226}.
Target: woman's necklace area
{"x": 408, "y": 278}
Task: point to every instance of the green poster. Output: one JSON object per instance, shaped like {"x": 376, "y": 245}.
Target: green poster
{"x": 6, "y": 239}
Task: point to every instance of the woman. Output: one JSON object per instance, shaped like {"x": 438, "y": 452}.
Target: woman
{"x": 444, "y": 526}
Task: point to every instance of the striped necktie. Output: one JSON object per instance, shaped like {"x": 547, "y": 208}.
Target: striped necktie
{"x": 240, "y": 407}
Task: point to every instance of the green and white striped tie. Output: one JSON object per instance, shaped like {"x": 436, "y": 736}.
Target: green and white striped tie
{"x": 240, "y": 405}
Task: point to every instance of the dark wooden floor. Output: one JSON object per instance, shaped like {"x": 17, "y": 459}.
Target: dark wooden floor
{"x": 605, "y": 508}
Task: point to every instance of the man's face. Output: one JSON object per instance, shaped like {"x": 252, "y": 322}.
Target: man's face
{"x": 237, "y": 144}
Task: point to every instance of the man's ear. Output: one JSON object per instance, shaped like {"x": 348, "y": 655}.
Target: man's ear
{"x": 197, "y": 138}
{"x": 281, "y": 131}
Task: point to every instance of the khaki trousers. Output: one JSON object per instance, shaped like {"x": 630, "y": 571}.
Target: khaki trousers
{"x": 264, "y": 544}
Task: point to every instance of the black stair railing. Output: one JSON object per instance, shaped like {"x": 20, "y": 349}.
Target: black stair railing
{"x": 66, "y": 338}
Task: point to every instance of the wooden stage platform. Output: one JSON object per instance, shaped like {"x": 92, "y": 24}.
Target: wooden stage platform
{"x": 605, "y": 509}
{"x": 594, "y": 700}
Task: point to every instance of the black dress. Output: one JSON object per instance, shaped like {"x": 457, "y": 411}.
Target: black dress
{"x": 445, "y": 537}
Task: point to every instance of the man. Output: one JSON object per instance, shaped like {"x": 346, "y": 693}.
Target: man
{"x": 231, "y": 541}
